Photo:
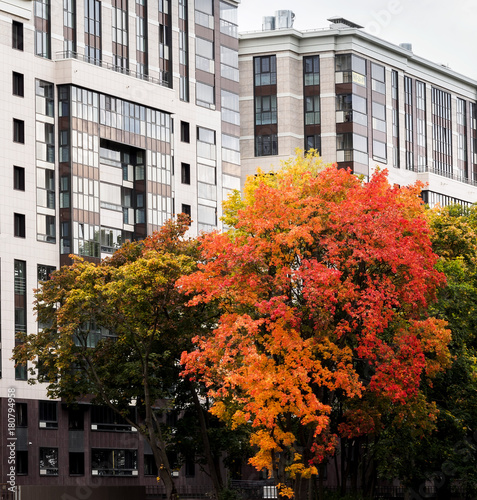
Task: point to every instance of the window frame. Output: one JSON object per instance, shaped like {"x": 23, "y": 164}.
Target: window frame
{"x": 18, "y": 84}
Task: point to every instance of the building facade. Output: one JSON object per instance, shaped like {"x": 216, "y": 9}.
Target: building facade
{"x": 116, "y": 115}
{"x": 361, "y": 102}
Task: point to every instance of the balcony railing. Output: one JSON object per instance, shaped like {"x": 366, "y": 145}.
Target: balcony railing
{"x": 163, "y": 79}
{"x": 450, "y": 175}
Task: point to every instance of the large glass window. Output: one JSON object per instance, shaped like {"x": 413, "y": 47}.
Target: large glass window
{"x": 265, "y": 110}
{"x": 106, "y": 462}
{"x": 205, "y": 95}
{"x": 352, "y": 69}
{"x": 230, "y": 107}
{"x": 229, "y": 63}
{"x": 20, "y": 310}
{"x": 92, "y": 27}
{"x": 228, "y": 19}
{"x": 69, "y": 27}
{"x": 204, "y": 54}
{"x": 265, "y": 70}
{"x": 311, "y": 68}
{"x": 266, "y": 145}
{"x": 312, "y": 110}
{"x": 204, "y": 13}
{"x": 42, "y": 28}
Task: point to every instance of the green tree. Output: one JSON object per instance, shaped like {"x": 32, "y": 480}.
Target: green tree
{"x": 115, "y": 331}
{"x": 448, "y": 454}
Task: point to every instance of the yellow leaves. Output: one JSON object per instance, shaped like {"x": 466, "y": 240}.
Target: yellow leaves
{"x": 285, "y": 491}
{"x": 299, "y": 468}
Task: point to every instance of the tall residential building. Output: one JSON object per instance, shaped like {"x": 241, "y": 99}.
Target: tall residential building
{"x": 116, "y": 115}
{"x": 361, "y": 102}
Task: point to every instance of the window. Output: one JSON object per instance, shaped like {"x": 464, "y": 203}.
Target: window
{"x": 150, "y": 466}
{"x": 20, "y": 311}
{"x": 312, "y": 110}
{"x": 21, "y": 414}
{"x": 18, "y": 131}
{"x": 48, "y": 416}
{"x": 228, "y": 19}
{"x": 311, "y": 65}
{"x": 104, "y": 418}
{"x": 44, "y": 272}
{"x": 69, "y": 27}
{"x": 114, "y": 462}
{"x": 21, "y": 463}
{"x": 230, "y": 107}
{"x": 352, "y": 69}
{"x": 186, "y": 209}
{"x": 17, "y": 84}
{"x": 313, "y": 142}
{"x": 45, "y": 98}
{"x": 17, "y": 35}
{"x": 92, "y": 28}
{"x": 206, "y": 216}
{"x": 76, "y": 464}
{"x": 266, "y": 145}
{"x": 379, "y": 149}
{"x": 45, "y": 179}
{"x": 21, "y": 371}
{"x": 19, "y": 225}
{"x": 46, "y": 228}
{"x": 19, "y": 178}
{"x": 76, "y": 419}
{"x": 265, "y": 110}
{"x": 204, "y": 11}
{"x": 185, "y": 173}
{"x": 378, "y": 78}
{"x": 265, "y": 70}
{"x": 204, "y": 55}
{"x": 48, "y": 461}
{"x": 205, "y": 95}
{"x": 185, "y": 132}
{"x": 229, "y": 63}
{"x": 42, "y": 28}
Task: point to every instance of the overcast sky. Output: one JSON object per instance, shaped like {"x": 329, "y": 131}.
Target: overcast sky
{"x": 442, "y": 31}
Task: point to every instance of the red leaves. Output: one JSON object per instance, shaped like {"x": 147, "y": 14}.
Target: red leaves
{"x": 323, "y": 276}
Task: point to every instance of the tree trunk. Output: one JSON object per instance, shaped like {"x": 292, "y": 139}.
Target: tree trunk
{"x": 214, "y": 468}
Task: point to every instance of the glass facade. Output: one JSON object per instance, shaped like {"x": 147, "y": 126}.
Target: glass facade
{"x": 132, "y": 145}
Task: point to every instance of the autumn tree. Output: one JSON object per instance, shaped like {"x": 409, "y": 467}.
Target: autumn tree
{"x": 114, "y": 332}
{"x": 323, "y": 284}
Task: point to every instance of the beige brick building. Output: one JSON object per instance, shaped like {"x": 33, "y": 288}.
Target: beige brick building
{"x": 361, "y": 102}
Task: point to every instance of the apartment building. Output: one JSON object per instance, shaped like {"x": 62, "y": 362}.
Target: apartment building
{"x": 361, "y": 102}
{"x": 116, "y": 115}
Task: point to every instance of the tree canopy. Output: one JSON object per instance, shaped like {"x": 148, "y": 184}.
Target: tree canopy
{"x": 114, "y": 332}
{"x": 323, "y": 285}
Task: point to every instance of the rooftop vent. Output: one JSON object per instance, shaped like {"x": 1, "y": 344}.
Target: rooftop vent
{"x": 338, "y": 22}
{"x": 406, "y": 46}
{"x": 268, "y": 23}
{"x": 281, "y": 20}
{"x": 284, "y": 19}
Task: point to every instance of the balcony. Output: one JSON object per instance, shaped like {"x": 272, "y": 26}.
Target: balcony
{"x": 449, "y": 175}
{"x": 163, "y": 79}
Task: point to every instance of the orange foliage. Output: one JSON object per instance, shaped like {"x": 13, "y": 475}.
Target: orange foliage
{"x": 323, "y": 278}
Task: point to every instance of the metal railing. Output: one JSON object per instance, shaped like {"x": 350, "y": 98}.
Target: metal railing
{"x": 163, "y": 80}
{"x": 449, "y": 175}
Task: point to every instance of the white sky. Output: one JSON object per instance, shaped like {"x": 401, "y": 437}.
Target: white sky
{"x": 442, "y": 31}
